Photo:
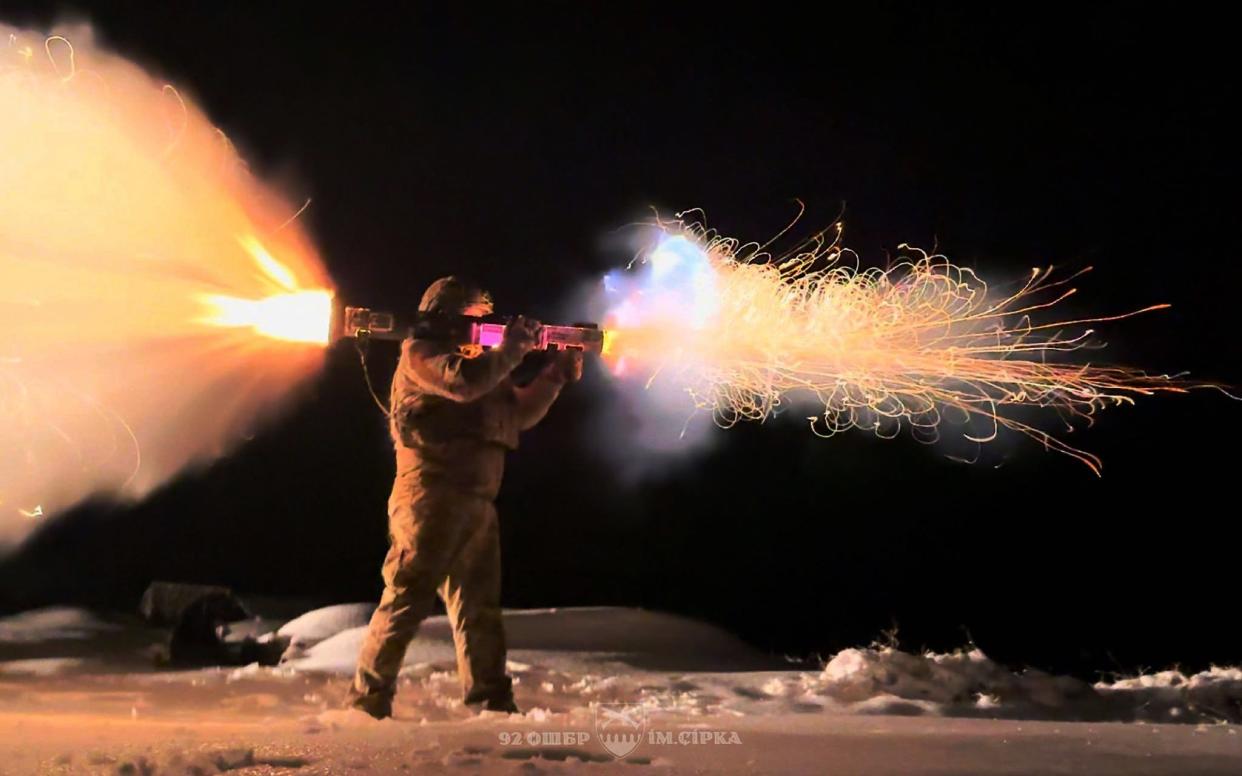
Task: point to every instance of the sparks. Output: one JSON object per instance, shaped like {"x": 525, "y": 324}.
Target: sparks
{"x": 746, "y": 333}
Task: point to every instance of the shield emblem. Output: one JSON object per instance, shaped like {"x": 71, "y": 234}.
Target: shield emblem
{"x": 620, "y": 727}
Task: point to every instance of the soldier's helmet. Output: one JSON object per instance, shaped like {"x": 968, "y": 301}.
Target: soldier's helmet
{"x": 453, "y": 295}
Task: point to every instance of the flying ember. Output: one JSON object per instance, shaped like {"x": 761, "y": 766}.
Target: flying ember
{"x": 922, "y": 344}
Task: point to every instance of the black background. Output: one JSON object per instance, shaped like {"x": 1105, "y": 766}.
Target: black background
{"x": 505, "y": 142}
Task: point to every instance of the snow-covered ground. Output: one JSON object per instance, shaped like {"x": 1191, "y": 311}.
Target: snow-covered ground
{"x": 79, "y": 694}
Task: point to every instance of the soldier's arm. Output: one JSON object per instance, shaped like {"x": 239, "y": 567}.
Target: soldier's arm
{"x": 442, "y": 372}
{"x": 534, "y": 400}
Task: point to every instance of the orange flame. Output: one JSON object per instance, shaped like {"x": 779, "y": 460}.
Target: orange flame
{"x": 298, "y": 315}
{"x": 144, "y": 328}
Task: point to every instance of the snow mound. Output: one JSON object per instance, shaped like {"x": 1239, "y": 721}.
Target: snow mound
{"x": 1212, "y": 694}
{"x": 968, "y": 683}
{"x": 954, "y": 681}
{"x": 337, "y": 654}
{"x": 569, "y": 638}
{"x": 52, "y": 624}
{"x": 49, "y": 666}
{"x": 319, "y": 624}
{"x": 632, "y": 632}
{"x": 567, "y": 661}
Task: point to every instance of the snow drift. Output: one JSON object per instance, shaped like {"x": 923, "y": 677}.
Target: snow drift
{"x": 566, "y": 660}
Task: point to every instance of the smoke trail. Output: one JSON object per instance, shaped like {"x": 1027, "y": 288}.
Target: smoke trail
{"x": 740, "y": 334}
{"x": 130, "y": 232}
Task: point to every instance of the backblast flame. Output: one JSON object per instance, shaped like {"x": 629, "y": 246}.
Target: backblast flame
{"x": 302, "y": 316}
{"x": 145, "y": 319}
{"x": 294, "y": 316}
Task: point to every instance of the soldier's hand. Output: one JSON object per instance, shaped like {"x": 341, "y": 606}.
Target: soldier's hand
{"x": 521, "y": 335}
{"x": 569, "y": 365}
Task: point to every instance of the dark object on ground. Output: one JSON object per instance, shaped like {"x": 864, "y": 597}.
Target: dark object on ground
{"x": 234, "y": 759}
{"x": 199, "y": 616}
{"x": 167, "y": 603}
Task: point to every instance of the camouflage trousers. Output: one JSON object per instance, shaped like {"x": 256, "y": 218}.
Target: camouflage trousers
{"x": 445, "y": 542}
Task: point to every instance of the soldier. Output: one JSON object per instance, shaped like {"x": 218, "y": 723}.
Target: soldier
{"x": 455, "y": 414}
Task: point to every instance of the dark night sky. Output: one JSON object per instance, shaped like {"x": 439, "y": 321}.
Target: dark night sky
{"x": 506, "y": 143}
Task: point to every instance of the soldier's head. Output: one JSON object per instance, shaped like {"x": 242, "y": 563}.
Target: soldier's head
{"x": 454, "y": 295}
